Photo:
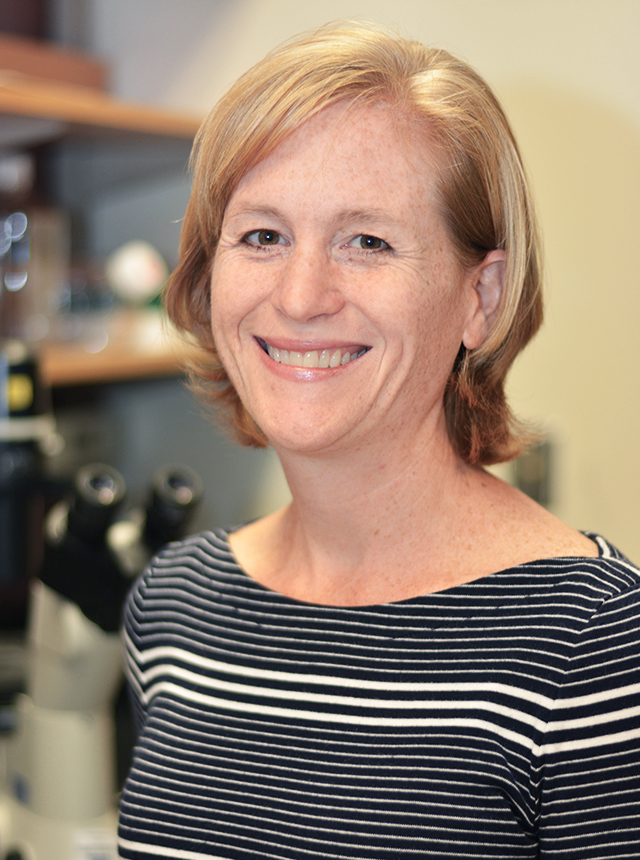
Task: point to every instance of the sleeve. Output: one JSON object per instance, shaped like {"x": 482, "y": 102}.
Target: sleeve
{"x": 590, "y": 805}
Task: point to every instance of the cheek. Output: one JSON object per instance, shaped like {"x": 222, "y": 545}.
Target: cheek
{"x": 226, "y": 295}
{"x": 234, "y": 300}
{"x": 223, "y": 315}
{"x": 438, "y": 323}
{"x": 236, "y": 287}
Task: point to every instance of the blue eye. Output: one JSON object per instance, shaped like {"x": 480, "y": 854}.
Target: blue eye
{"x": 369, "y": 243}
{"x": 264, "y": 237}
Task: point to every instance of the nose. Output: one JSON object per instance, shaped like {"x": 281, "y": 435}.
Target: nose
{"x": 307, "y": 286}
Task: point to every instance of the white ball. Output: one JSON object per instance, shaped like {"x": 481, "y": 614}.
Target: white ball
{"x": 136, "y": 272}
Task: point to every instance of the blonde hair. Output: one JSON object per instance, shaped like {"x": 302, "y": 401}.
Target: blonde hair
{"x": 483, "y": 192}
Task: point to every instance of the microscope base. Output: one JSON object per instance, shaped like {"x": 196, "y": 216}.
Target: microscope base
{"x": 27, "y": 836}
{"x": 59, "y": 800}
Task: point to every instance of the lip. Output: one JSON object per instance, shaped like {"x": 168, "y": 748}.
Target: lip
{"x": 309, "y": 345}
{"x": 312, "y": 359}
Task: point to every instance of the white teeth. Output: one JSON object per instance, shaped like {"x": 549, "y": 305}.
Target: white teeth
{"x": 313, "y": 358}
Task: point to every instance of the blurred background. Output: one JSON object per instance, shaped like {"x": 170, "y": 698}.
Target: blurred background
{"x": 99, "y": 103}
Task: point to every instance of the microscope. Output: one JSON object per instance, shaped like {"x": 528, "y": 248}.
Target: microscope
{"x": 58, "y": 782}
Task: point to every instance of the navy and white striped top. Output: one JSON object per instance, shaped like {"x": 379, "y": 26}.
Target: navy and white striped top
{"x": 497, "y": 719}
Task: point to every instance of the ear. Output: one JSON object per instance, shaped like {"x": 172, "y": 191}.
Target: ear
{"x": 487, "y": 284}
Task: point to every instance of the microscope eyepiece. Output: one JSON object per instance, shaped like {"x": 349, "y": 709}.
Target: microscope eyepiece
{"x": 98, "y": 492}
{"x": 175, "y": 493}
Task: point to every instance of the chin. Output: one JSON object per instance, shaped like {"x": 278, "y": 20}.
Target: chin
{"x": 305, "y": 439}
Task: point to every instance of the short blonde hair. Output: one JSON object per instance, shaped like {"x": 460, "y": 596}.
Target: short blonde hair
{"x": 483, "y": 192}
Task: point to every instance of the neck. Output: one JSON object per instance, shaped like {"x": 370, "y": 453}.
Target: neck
{"x": 354, "y": 514}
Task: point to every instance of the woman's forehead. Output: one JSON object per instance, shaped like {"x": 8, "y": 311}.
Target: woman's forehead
{"x": 348, "y": 149}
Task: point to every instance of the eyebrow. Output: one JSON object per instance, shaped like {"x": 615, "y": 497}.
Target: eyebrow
{"x": 375, "y": 216}
{"x": 365, "y": 215}
{"x": 257, "y": 212}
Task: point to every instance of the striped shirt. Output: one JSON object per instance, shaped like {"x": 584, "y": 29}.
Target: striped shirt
{"x": 496, "y": 719}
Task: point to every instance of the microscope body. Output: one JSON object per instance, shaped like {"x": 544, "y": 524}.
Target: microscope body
{"x": 60, "y": 761}
{"x": 60, "y": 783}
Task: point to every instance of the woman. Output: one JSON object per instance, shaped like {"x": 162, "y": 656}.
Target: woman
{"x": 412, "y": 658}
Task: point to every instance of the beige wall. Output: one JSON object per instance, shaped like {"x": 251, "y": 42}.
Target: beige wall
{"x": 568, "y": 72}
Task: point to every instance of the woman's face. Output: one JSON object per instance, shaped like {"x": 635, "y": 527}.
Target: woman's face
{"x": 338, "y": 305}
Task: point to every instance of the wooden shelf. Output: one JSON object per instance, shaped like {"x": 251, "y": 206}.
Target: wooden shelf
{"x": 50, "y": 94}
{"x": 67, "y": 110}
{"x": 125, "y": 345}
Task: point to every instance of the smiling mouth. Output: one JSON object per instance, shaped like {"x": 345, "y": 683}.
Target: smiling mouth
{"x": 323, "y": 358}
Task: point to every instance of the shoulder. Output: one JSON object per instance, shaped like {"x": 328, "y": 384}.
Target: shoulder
{"x": 601, "y": 594}
{"x": 611, "y": 572}
{"x": 184, "y": 566}
{"x": 599, "y": 577}
{"x": 200, "y": 553}
{"x": 618, "y": 581}
{"x": 206, "y": 547}
{"x": 191, "y": 588}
